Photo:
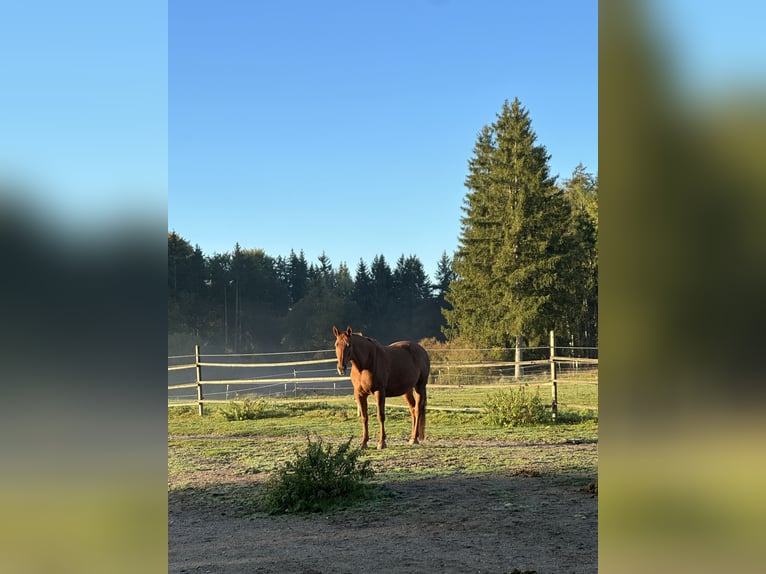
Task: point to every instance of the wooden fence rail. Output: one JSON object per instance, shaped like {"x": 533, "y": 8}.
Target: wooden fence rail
{"x": 554, "y": 361}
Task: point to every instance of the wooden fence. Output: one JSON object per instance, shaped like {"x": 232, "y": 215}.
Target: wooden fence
{"x": 553, "y": 362}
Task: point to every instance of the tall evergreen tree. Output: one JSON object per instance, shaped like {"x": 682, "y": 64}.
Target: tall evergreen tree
{"x": 513, "y": 242}
{"x": 344, "y": 284}
{"x": 411, "y": 295}
{"x": 297, "y": 276}
{"x": 381, "y": 303}
{"x": 444, "y": 276}
{"x": 409, "y": 282}
{"x": 187, "y": 290}
{"x": 321, "y": 276}
{"x": 581, "y": 190}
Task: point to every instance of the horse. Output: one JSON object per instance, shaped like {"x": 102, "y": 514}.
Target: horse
{"x": 401, "y": 368}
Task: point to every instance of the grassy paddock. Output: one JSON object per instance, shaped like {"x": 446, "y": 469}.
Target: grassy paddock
{"x": 211, "y": 454}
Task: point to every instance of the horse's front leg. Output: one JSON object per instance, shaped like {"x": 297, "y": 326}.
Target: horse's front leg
{"x": 380, "y": 399}
{"x": 361, "y": 401}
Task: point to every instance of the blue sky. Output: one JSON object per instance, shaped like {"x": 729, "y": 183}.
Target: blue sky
{"x": 336, "y": 126}
{"x": 270, "y": 123}
{"x": 346, "y": 126}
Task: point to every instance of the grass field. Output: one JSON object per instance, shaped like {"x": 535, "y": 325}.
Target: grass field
{"x": 211, "y": 452}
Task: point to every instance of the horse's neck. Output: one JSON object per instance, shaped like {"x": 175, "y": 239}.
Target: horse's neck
{"x": 361, "y": 353}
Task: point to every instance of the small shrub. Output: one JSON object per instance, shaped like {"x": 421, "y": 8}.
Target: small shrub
{"x": 246, "y": 409}
{"x": 319, "y": 479}
{"x": 515, "y": 407}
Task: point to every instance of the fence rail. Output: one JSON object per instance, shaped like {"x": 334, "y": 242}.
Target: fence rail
{"x": 554, "y": 362}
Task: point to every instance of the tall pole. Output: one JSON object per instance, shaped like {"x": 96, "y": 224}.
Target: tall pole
{"x": 199, "y": 379}
{"x": 236, "y": 317}
{"x": 517, "y": 370}
{"x": 554, "y": 390}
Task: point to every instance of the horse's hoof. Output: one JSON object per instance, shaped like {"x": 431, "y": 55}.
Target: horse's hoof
{"x": 413, "y": 441}
{"x": 363, "y": 445}
{"x": 381, "y": 445}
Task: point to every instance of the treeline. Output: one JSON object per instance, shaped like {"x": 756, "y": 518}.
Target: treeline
{"x": 248, "y": 301}
{"x": 526, "y": 263}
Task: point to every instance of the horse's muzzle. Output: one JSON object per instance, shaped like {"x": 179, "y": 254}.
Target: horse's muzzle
{"x": 342, "y": 370}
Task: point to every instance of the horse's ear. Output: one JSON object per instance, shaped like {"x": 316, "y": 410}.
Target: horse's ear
{"x": 335, "y": 330}
{"x": 348, "y": 330}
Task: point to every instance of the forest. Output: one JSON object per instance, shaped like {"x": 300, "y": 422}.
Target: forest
{"x": 526, "y": 263}
{"x": 249, "y": 301}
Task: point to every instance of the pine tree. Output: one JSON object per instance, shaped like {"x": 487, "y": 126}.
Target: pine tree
{"x": 581, "y": 190}
{"x": 513, "y": 242}
{"x": 362, "y": 293}
{"x": 344, "y": 284}
{"x": 297, "y": 276}
{"x": 444, "y": 276}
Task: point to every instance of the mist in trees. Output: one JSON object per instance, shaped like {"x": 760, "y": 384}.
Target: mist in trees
{"x": 248, "y": 301}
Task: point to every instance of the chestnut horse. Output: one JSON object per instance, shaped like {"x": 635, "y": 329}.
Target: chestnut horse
{"x": 401, "y": 368}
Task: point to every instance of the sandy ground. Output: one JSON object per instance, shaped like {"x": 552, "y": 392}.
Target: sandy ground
{"x": 520, "y": 523}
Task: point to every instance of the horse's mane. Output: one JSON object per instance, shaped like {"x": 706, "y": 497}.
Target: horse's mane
{"x": 370, "y": 339}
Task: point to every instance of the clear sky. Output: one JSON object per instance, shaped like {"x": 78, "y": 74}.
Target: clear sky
{"x": 346, "y": 126}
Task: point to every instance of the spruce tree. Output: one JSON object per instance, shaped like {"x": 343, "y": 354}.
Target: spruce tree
{"x": 297, "y": 276}
{"x": 581, "y": 190}
{"x": 513, "y": 245}
{"x": 444, "y": 276}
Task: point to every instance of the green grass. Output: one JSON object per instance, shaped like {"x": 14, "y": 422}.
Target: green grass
{"x": 231, "y": 460}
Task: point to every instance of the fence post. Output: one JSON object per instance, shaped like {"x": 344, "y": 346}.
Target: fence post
{"x": 198, "y": 370}
{"x": 517, "y": 372}
{"x": 554, "y": 390}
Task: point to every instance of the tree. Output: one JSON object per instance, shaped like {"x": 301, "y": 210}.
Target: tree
{"x": 344, "y": 284}
{"x": 444, "y": 276}
{"x": 297, "y": 275}
{"x": 219, "y": 270}
{"x": 409, "y": 282}
{"x": 411, "y": 295}
{"x": 329, "y": 300}
{"x": 260, "y": 300}
{"x": 362, "y": 295}
{"x": 187, "y": 309}
{"x": 513, "y": 242}
{"x": 381, "y": 302}
{"x": 581, "y": 190}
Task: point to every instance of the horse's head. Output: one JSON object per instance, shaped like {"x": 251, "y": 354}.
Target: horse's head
{"x": 342, "y": 348}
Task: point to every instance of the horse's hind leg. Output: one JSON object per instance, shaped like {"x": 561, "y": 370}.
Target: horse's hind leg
{"x": 420, "y": 410}
{"x": 410, "y": 399}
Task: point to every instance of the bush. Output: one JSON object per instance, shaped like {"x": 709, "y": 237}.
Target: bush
{"x": 244, "y": 410}
{"x": 319, "y": 479}
{"x": 515, "y": 407}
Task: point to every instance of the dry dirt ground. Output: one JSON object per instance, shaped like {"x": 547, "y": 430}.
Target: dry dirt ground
{"x": 520, "y": 522}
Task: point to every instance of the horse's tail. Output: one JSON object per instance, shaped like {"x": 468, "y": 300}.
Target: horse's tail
{"x": 422, "y": 418}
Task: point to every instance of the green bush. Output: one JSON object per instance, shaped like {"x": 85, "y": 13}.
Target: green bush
{"x": 515, "y": 407}
{"x": 244, "y": 410}
{"x": 320, "y": 478}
